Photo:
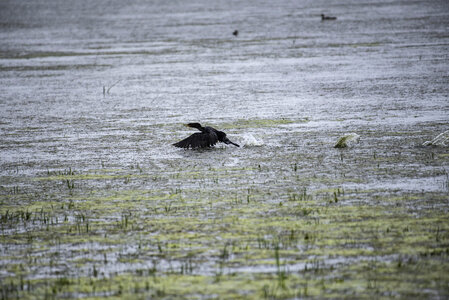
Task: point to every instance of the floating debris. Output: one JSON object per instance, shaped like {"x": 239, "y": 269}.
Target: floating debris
{"x": 441, "y": 140}
{"x": 347, "y": 140}
{"x": 250, "y": 140}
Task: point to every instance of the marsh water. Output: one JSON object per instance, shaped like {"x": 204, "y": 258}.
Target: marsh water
{"x": 95, "y": 201}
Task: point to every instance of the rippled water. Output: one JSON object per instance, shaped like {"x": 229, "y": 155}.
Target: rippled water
{"x": 381, "y": 65}
{"x": 108, "y": 84}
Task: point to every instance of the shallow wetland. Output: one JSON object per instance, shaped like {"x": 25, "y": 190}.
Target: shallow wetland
{"x": 96, "y": 203}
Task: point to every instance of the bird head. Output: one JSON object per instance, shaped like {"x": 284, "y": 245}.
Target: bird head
{"x": 224, "y": 139}
{"x": 194, "y": 125}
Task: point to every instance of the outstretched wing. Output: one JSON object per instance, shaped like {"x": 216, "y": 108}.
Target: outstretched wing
{"x": 197, "y": 140}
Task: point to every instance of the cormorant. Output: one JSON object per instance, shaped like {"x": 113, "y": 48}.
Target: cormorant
{"x": 324, "y": 18}
{"x": 236, "y": 32}
{"x": 206, "y": 138}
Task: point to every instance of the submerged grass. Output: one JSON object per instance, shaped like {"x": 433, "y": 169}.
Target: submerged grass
{"x": 257, "y": 123}
{"x": 195, "y": 241}
{"x": 95, "y": 203}
{"x": 297, "y": 221}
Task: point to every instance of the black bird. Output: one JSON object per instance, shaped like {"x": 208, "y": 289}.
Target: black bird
{"x": 236, "y": 32}
{"x": 206, "y": 138}
{"x": 325, "y": 18}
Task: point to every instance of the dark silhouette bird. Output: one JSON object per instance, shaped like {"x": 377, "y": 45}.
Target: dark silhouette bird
{"x": 236, "y": 32}
{"x": 206, "y": 138}
{"x": 327, "y": 18}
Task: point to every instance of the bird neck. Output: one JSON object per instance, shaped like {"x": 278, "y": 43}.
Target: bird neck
{"x": 197, "y": 126}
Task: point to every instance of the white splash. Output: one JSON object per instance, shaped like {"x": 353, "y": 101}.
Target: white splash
{"x": 441, "y": 140}
{"x": 250, "y": 140}
{"x": 348, "y": 140}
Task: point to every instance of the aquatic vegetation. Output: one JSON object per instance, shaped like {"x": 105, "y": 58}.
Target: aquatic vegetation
{"x": 107, "y": 90}
{"x": 95, "y": 203}
{"x": 234, "y": 241}
{"x": 347, "y": 140}
{"x": 255, "y": 123}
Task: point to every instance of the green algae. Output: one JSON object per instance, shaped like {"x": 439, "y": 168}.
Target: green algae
{"x": 91, "y": 177}
{"x": 381, "y": 278}
{"x": 257, "y": 123}
{"x": 95, "y": 204}
{"x": 343, "y": 141}
{"x": 177, "y": 234}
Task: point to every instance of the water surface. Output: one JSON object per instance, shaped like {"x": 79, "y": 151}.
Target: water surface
{"x": 95, "y": 201}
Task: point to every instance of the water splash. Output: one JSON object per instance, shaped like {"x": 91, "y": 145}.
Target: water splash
{"x": 441, "y": 140}
{"x": 347, "y": 140}
{"x": 250, "y": 140}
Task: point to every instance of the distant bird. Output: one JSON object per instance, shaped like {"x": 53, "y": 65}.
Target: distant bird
{"x": 236, "y": 32}
{"x": 327, "y": 18}
{"x": 206, "y": 138}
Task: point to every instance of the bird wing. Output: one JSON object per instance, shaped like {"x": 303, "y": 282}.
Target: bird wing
{"x": 198, "y": 140}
